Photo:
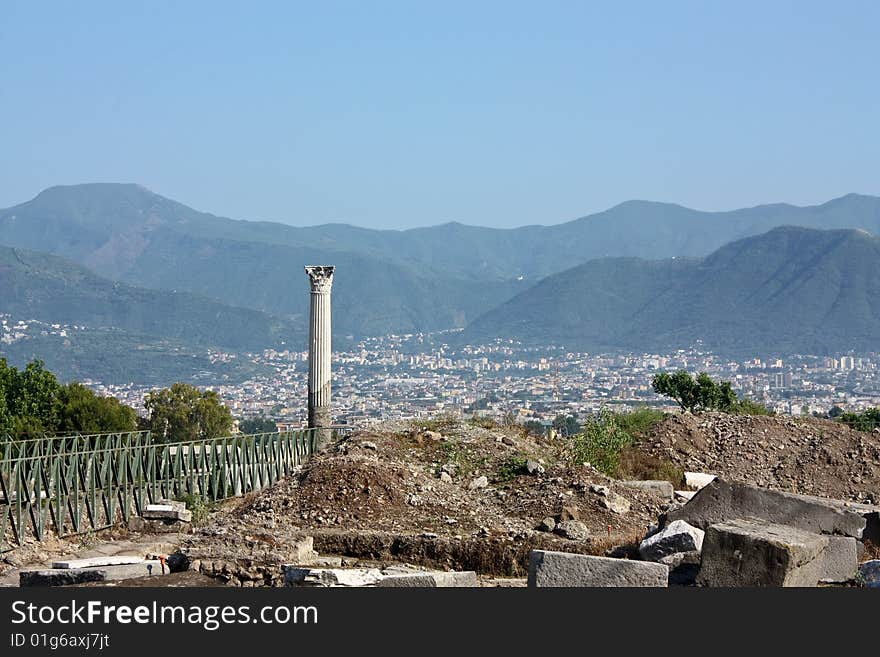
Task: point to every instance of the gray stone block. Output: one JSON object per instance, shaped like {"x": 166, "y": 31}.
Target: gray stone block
{"x": 439, "y": 579}
{"x": 840, "y": 562}
{"x": 330, "y": 577}
{"x": 68, "y": 576}
{"x": 166, "y": 512}
{"x": 555, "y": 569}
{"x": 94, "y": 562}
{"x": 721, "y": 501}
{"x": 662, "y": 489}
{"x": 757, "y": 553}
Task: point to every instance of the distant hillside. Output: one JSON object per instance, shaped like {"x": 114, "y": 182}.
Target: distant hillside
{"x": 129, "y": 234}
{"x": 40, "y": 286}
{"x": 789, "y": 290}
{"x": 421, "y": 279}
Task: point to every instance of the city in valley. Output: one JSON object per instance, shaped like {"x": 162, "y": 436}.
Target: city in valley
{"x": 411, "y": 376}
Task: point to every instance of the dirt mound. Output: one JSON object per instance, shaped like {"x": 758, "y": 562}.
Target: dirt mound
{"x": 803, "y": 455}
{"x": 466, "y": 480}
{"x": 448, "y": 494}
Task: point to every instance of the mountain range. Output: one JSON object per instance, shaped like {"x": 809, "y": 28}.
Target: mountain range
{"x": 639, "y": 275}
{"x": 790, "y": 290}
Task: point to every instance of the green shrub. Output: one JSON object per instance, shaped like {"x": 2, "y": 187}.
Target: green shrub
{"x": 200, "y": 507}
{"x": 866, "y": 421}
{"x": 512, "y": 468}
{"x": 600, "y": 443}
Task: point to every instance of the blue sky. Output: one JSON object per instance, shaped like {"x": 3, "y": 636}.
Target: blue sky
{"x": 409, "y": 114}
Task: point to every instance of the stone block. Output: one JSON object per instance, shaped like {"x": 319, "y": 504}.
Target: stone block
{"x": 166, "y": 512}
{"x": 840, "y": 562}
{"x": 331, "y": 577}
{"x": 68, "y": 576}
{"x": 750, "y": 552}
{"x": 698, "y": 479}
{"x": 721, "y": 501}
{"x": 662, "y": 489}
{"x": 555, "y": 569}
{"x": 431, "y": 579}
{"x": 97, "y": 561}
{"x": 676, "y": 537}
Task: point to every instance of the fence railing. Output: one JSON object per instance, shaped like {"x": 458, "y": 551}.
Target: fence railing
{"x": 76, "y": 484}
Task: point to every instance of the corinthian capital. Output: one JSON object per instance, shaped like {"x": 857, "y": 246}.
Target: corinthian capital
{"x": 320, "y": 277}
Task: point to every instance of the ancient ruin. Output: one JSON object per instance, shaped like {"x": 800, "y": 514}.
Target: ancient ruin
{"x": 321, "y": 282}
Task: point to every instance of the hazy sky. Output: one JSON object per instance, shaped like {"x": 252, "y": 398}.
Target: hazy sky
{"x": 415, "y": 113}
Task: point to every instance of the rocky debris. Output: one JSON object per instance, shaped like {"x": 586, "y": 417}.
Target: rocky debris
{"x": 697, "y": 480}
{"x": 684, "y": 495}
{"x": 445, "y": 477}
{"x": 759, "y": 553}
{"x": 573, "y": 530}
{"x": 479, "y": 482}
{"x": 158, "y": 525}
{"x": 804, "y": 455}
{"x": 663, "y": 489}
{"x": 433, "y": 436}
{"x": 869, "y": 574}
{"x": 722, "y": 501}
{"x": 103, "y": 573}
{"x": 534, "y": 468}
{"x": 548, "y": 524}
{"x": 676, "y": 538}
{"x": 615, "y": 503}
{"x": 569, "y": 512}
{"x": 840, "y": 561}
{"x": 369, "y": 444}
{"x": 553, "y": 569}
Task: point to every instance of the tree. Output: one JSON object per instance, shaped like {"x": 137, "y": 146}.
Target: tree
{"x": 83, "y": 411}
{"x": 30, "y": 403}
{"x": 258, "y": 424}
{"x": 566, "y": 425}
{"x": 680, "y": 386}
{"x": 703, "y": 393}
{"x": 33, "y": 403}
{"x": 183, "y": 412}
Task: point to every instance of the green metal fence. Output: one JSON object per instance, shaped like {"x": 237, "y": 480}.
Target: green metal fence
{"x": 75, "y": 484}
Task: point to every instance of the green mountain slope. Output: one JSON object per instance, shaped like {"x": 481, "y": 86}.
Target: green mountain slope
{"x": 39, "y": 286}
{"x": 791, "y": 290}
{"x": 421, "y": 279}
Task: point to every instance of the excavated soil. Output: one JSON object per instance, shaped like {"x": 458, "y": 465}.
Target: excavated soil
{"x": 803, "y": 455}
{"x": 379, "y": 495}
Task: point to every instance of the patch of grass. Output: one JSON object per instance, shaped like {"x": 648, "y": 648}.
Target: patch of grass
{"x": 635, "y": 463}
{"x": 510, "y": 469}
{"x": 639, "y": 422}
{"x": 440, "y": 423}
{"x": 459, "y": 455}
{"x": 483, "y": 422}
{"x": 200, "y": 507}
{"x": 749, "y": 407}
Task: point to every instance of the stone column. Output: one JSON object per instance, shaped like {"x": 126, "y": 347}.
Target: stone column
{"x": 321, "y": 280}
